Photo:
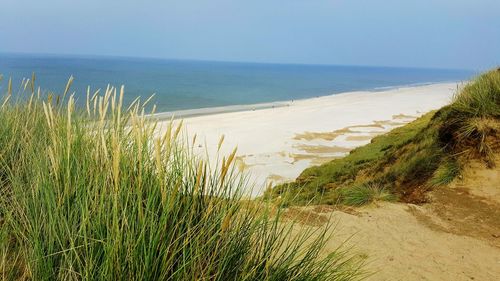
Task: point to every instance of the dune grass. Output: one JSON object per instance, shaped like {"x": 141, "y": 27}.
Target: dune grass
{"x": 364, "y": 194}
{"x": 445, "y": 173}
{"x": 413, "y": 159}
{"x": 480, "y": 98}
{"x": 98, "y": 194}
{"x": 472, "y": 124}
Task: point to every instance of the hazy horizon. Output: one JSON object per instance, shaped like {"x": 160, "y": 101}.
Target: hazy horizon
{"x": 132, "y": 57}
{"x": 423, "y": 34}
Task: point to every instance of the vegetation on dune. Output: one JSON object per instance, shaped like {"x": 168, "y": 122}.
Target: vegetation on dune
{"x": 410, "y": 160}
{"x": 364, "y": 194}
{"x": 98, "y": 195}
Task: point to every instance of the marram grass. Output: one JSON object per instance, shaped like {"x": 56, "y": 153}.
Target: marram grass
{"x": 364, "y": 194}
{"x": 95, "y": 193}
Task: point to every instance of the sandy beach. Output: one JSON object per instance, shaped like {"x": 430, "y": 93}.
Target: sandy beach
{"x": 276, "y": 143}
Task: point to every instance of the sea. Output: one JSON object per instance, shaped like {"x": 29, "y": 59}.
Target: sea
{"x": 190, "y": 84}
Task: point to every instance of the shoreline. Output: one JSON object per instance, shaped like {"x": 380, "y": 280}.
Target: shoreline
{"x": 195, "y": 112}
{"x": 204, "y": 111}
{"x": 275, "y": 144}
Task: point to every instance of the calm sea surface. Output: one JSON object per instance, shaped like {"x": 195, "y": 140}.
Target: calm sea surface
{"x": 183, "y": 84}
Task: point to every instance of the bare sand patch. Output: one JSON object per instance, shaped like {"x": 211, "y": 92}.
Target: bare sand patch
{"x": 485, "y": 182}
{"x": 398, "y": 243}
{"x": 454, "y": 237}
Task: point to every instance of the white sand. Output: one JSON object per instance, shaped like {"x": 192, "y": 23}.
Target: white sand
{"x": 269, "y": 141}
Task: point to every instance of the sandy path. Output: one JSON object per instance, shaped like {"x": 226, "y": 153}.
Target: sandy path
{"x": 276, "y": 144}
{"x": 399, "y": 247}
{"x": 455, "y": 237}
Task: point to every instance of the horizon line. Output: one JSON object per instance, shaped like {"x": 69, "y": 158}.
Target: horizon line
{"x": 87, "y": 56}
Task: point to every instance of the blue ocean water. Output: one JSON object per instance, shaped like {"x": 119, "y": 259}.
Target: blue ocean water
{"x": 184, "y": 84}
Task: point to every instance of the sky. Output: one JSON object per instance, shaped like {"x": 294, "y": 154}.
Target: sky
{"x": 416, "y": 33}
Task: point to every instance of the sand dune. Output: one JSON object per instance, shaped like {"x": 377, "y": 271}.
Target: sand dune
{"x": 454, "y": 237}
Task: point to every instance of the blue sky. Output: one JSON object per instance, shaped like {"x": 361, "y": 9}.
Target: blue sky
{"x": 419, "y": 33}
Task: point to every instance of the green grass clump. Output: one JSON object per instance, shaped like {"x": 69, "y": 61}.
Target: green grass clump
{"x": 412, "y": 159}
{"x": 445, "y": 173}
{"x": 364, "y": 194}
{"x": 481, "y": 98}
{"x": 99, "y": 194}
{"x": 472, "y": 125}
